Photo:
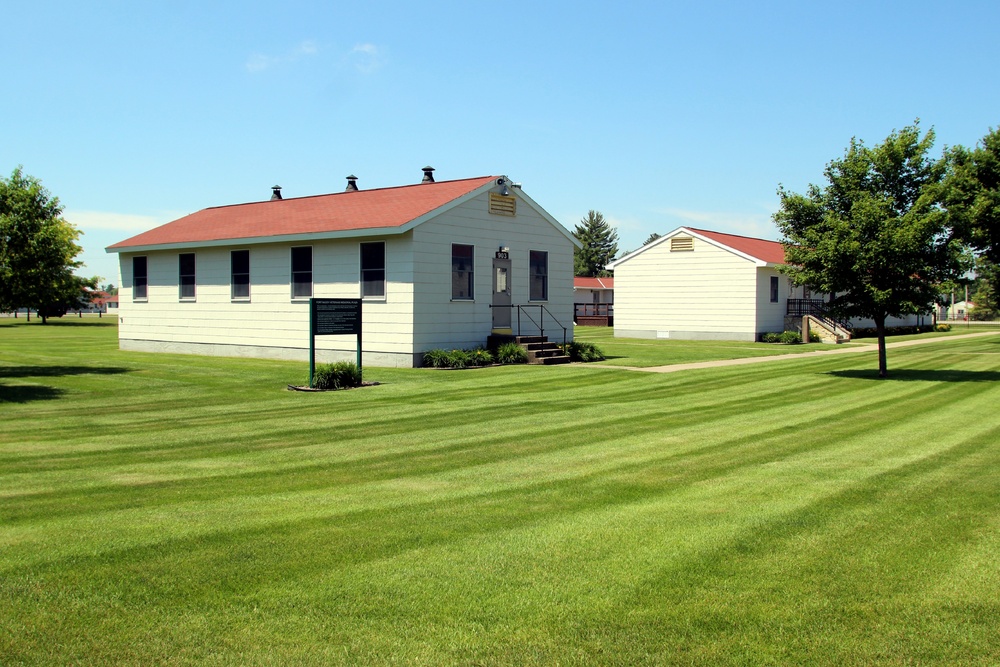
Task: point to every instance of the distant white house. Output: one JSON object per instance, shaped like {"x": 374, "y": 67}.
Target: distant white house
{"x": 593, "y": 290}
{"x": 704, "y": 285}
{"x": 436, "y": 264}
{"x": 957, "y": 311}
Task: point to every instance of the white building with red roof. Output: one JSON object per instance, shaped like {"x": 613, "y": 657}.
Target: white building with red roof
{"x": 698, "y": 284}
{"x": 594, "y": 301}
{"x": 436, "y": 265}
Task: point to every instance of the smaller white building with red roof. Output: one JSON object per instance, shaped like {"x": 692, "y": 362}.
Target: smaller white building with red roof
{"x": 702, "y": 285}
{"x": 697, "y": 284}
{"x": 436, "y": 265}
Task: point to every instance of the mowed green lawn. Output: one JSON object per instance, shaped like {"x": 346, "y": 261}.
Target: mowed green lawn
{"x": 161, "y": 509}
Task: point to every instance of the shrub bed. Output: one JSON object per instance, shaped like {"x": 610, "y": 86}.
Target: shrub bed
{"x": 511, "y": 353}
{"x": 338, "y": 375}
{"x": 458, "y": 358}
{"x": 785, "y": 337}
{"x": 585, "y": 352}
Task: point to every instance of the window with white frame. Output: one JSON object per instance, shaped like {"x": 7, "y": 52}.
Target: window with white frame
{"x": 462, "y": 271}
{"x": 140, "y": 280}
{"x": 186, "y": 275}
{"x": 373, "y": 270}
{"x": 302, "y": 272}
{"x": 538, "y": 275}
{"x": 239, "y": 261}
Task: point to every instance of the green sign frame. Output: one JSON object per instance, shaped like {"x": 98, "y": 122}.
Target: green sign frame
{"x": 332, "y": 317}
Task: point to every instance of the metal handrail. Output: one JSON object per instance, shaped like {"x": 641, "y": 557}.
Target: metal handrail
{"x": 817, "y": 309}
{"x": 541, "y": 316}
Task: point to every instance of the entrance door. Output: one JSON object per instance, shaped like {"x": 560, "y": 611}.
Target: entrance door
{"x": 501, "y": 293}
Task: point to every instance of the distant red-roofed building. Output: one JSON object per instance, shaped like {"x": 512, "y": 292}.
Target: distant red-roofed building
{"x": 699, "y": 284}
{"x": 594, "y": 301}
{"x": 104, "y": 302}
{"x": 436, "y": 265}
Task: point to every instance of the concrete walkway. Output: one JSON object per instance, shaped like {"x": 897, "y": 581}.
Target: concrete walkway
{"x": 867, "y": 347}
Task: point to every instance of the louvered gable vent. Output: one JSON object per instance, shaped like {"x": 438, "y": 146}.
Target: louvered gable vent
{"x": 681, "y": 244}
{"x": 501, "y": 205}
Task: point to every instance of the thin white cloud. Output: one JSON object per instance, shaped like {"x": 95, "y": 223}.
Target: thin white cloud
{"x": 119, "y": 222}
{"x": 745, "y": 224}
{"x": 366, "y": 58}
{"x": 623, "y": 225}
{"x": 259, "y": 62}
{"x": 307, "y": 48}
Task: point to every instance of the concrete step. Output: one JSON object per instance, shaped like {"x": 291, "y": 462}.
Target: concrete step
{"x": 550, "y": 361}
{"x": 540, "y": 349}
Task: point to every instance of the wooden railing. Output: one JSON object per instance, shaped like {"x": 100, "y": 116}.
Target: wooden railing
{"x": 593, "y": 309}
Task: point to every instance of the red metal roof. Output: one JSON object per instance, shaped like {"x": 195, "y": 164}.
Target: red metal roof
{"x": 593, "y": 283}
{"x": 767, "y": 251}
{"x": 342, "y": 211}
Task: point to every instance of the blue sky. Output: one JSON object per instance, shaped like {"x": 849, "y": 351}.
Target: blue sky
{"x": 657, "y": 114}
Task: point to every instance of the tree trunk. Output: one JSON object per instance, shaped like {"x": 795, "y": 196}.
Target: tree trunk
{"x": 883, "y": 371}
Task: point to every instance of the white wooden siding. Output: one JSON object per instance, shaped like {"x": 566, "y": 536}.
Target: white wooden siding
{"x": 705, "y": 293}
{"x": 771, "y": 315}
{"x": 417, "y": 313}
{"x": 271, "y": 318}
{"x": 441, "y": 322}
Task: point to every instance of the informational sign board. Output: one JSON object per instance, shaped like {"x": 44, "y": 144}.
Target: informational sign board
{"x": 332, "y": 317}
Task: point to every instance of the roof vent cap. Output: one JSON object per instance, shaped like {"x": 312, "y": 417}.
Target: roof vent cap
{"x": 352, "y": 184}
{"x": 275, "y": 192}
{"x": 428, "y": 175}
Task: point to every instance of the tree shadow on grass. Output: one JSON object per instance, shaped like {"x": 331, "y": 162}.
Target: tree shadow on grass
{"x": 57, "y": 323}
{"x": 26, "y": 393}
{"x": 913, "y": 375}
{"x": 58, "y": 371}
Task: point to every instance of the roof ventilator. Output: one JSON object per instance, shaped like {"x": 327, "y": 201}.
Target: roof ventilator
{"x": 275, "y": 192}
{"x": 352, "y": 184}
{"x": 428, "y": 175}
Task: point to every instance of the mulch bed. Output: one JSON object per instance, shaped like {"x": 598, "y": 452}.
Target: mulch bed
{"x": 295, "y": 387}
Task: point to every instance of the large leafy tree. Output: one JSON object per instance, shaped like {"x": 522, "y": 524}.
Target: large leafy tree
{"x": 973, "y": 195}
{"x": 876, "y": 236}
{"x": 600, "y": 245}
{"x": 37, "y": 249}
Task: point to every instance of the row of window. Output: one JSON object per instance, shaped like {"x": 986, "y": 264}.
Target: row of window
{"x": 372, "y": 273}
{"x": 463, "y": 269}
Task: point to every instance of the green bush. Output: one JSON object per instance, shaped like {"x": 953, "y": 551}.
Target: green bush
{"x": 942, "y": 326}
{"x": 458, "y": 359}
{"x": 480, "y": 357}
{"x": 511, "y": 353}
{"x": 770, "y": 337}
{"x": 339, "y": 375}
{"x": 436, "y": 358}
{"x": 814, "y": 337}
{"x": 790, "y": 337}
{"x": 585, "y": 352}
